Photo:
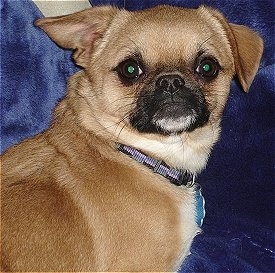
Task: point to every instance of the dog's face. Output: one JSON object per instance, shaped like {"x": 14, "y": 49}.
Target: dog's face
{"x": 164, "y": 73}
{"x": 160, "y": 72}
{"x": 173, "y": 74}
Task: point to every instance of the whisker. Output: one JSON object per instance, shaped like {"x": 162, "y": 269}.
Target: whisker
{"x": 182, "y": 144}
{"x": 206, "y": 40}
{"x": 118, "y": 136}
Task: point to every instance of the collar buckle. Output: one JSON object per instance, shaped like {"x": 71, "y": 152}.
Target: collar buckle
{"x": 191, "y": 183}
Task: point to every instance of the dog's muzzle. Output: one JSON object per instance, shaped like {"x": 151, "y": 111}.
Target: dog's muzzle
{"x": 170, "y": 107}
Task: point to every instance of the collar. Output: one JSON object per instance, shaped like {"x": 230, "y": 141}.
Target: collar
{"x": 176, "y": 177}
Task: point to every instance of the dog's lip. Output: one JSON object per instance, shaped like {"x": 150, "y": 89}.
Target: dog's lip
{"x": 174, "y": 112}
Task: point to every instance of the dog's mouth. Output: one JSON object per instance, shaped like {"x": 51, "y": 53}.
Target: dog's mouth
{"x": 170, "y": 114}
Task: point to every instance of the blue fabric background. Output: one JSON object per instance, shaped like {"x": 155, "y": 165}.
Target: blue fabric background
{"x": 238, "y": 184}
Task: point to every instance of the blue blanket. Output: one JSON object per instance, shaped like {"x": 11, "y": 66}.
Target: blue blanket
{"x": 238, "y": 184}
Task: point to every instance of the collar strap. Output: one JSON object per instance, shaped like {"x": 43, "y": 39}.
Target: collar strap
{"x": 176, "y": 177}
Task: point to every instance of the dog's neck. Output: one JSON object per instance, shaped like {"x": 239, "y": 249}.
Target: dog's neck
{"x": 189, "y": 151}
{"x": 176, "y": 177}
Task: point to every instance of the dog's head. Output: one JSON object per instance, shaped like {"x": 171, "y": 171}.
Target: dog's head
{"x": 157, "y": 73}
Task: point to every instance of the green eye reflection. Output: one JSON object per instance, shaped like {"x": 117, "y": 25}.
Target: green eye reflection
{"x": 208, "y": 68}
{"x": 131, "y": 69}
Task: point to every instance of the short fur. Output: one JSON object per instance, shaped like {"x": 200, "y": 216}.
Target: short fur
{"x": 70, "y": 200}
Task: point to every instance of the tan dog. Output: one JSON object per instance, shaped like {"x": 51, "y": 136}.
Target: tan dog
{"x": 155, "y": 80}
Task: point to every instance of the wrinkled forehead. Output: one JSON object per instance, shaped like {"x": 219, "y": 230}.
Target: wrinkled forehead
{"x": 170, "y": 34}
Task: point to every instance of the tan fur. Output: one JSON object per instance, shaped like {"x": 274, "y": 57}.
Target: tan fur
{"x": 70, "y": 200}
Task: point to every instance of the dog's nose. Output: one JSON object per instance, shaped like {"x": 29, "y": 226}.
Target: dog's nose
{"x": 170, "y": 83}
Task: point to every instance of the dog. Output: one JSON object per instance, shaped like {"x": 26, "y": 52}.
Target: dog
{"x": 110, "y": 186}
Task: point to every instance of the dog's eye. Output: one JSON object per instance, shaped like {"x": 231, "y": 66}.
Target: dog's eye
{"x": 208, "y": 68}
{"x": 129, "y": 71}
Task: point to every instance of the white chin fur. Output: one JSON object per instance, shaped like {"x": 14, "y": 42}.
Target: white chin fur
{"x": 175, "y": 125}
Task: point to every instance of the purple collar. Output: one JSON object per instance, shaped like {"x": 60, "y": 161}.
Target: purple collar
{"x": 176, "y": 177}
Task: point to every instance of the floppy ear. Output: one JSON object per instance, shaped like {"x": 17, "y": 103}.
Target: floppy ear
{"x": 247, "y": 48}
{"x": 79, "y": 30}
{"x": 248, "y": 53}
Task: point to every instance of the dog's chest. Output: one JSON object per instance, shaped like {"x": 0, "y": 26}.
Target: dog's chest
{"x": 140, "y": 212}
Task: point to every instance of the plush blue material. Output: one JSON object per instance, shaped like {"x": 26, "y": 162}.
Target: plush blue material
{"x": 238, "y": 184}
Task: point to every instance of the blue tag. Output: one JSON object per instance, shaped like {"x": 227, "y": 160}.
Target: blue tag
{"x": 200, "y": 205}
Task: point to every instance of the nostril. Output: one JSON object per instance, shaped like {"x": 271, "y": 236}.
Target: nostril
{"x": 178, "y": 82}
{"x": 170, "y": 83}
{"x": 163, "y": 83}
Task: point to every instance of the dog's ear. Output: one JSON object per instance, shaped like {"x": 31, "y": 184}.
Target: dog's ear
{"x": 79, "y": 31}
{"x": 248, "y": 53}
{"x": 247, "y": 48}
